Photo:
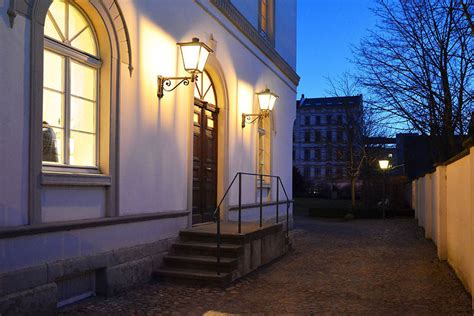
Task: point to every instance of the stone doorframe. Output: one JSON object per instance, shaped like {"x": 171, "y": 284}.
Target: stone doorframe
{"x": 216, "y": 73}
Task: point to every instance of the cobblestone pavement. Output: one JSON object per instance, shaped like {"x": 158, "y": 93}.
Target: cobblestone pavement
{"x": 357, "y": 267}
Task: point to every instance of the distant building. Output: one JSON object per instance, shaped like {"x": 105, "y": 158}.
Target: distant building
{"x": 321, "y": 135}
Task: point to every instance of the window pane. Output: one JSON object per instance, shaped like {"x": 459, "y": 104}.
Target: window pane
{"x": 59, "y": 143}
{"x": 53, "y": 108}
{"x": 54, "y": 76}
{"x": 50, "y": 30}
{"x": 82, "y": 149}
{"x": 210, "y": 97}
{"x": 58, "y": 11}
{"x": 82, "y": 115}
{"x": 85, "y": 42}
{"x": 83, "y": 81}
{"x": 77, "y": 22}
{"x": 52, "y": 144}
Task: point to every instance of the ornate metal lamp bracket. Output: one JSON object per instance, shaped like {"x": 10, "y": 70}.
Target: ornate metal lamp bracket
{"x": 251, "y": 118}
{"x": 164, "y": 83}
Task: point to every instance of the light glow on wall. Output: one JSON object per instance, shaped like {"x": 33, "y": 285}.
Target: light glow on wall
{"x": 245, "y": 98}
{"x": 158, "y": 55}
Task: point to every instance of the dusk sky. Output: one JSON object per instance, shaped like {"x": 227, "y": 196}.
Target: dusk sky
{"x": 326, "y": 31}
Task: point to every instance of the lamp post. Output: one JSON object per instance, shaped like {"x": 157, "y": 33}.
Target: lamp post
{"x": 266, "y": 102}
{"x": 194, "y": 54}
{"x": 384, "y": 165}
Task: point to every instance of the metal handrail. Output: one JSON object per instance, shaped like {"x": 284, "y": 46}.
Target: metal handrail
{"x": 217, "y": 213}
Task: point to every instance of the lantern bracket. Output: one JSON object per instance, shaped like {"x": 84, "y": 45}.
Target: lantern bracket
{"x": 252, "y": 118}
{"x": 164, "y": 83}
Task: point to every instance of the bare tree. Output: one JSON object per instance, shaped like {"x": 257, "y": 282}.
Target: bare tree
{"x": 465, "y": 6}
{"x": 359, "y": 123}
{"x": 418, "y": 66}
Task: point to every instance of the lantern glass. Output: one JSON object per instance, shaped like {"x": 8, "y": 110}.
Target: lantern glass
{"x": 266, "y": 100}
{"x": 194, "y": 55}
{"x": 384, "y": 164}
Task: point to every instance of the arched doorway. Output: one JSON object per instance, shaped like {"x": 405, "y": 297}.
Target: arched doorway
{"x": 205, "y": 120}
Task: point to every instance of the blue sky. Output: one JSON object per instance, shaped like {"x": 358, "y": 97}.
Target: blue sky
{"x": 326, "y": 31}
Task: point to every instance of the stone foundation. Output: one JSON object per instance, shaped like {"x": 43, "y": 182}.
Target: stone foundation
{"x": 34, "y": 291}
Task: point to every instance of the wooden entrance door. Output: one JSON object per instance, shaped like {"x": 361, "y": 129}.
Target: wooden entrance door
{"x": 204, "y": 161}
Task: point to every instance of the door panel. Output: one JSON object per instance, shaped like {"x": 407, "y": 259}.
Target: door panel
{"x": 204, "y": 162}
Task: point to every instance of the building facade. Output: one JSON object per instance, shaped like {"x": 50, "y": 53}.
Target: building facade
{"x": 324, "y": 130}
{"x": 96, "y": 170}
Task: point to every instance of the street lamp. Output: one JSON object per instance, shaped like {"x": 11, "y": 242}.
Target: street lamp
{"x": 194, "y": 54}
{"x": 384, "y": 165}
{"x": 266, "y": 102}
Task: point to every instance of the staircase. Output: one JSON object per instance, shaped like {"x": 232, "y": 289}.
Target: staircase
{"x": 194, "y": 258}
{"x": 221, "y": 252}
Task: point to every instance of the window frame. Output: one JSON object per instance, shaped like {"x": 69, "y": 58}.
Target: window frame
{"x": 264, "y": 130}
{"x": 70, "y": 53}
{"x": 268, "y": 32}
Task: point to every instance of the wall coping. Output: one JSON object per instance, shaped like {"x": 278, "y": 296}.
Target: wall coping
{"x": 12, "y": 232}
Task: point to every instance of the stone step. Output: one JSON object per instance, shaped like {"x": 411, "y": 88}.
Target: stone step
{"x": 200, "y": 262}
{"x": 211, "y": 237}
{"x": 198, "y": 276}
{"x": 206, "y": 248}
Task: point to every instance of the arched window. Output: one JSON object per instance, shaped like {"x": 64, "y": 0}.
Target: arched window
{"x": 204, "y": 89}
{"x": 70, "y": 88}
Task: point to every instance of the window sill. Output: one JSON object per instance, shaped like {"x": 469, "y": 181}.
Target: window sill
{"x": 50, "y": 178}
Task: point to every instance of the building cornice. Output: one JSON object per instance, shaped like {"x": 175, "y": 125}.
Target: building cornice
{"x": 247, "y": 29}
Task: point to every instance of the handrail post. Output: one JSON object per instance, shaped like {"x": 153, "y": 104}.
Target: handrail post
{"x": 277, "y": 199}
{"x": 218, "y": 249}
{"x": 240, "y": 202}
{"x": 261, "y": 198}
{"x": 287, "y": 218}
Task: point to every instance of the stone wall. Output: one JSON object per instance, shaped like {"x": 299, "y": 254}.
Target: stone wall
{"x": 444, "y": 207}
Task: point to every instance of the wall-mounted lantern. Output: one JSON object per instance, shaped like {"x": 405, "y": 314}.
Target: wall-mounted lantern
{"x": 384, "y": 164}
{"x": 194, "y": 54}
{"x": 266, "y": 101}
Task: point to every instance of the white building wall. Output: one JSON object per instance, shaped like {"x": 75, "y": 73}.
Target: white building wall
{"x": 154, "y": 129}
{"x": 14, "y": 120}
{"x": 154, "y": 135}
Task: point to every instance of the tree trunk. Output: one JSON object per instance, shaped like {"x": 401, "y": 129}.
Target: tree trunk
{"x": 353, "y": 195}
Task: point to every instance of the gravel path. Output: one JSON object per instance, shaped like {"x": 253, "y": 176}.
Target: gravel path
{"x": 357, "y": 267}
